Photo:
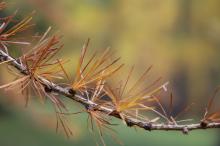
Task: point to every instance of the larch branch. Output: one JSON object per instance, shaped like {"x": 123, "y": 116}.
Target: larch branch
{"x": 130, "y": 121}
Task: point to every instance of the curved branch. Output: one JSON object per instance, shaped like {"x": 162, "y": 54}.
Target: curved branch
{"x": 130, "y": 121}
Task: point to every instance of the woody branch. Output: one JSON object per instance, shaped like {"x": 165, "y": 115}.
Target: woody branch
{"x": 130, "y": 121}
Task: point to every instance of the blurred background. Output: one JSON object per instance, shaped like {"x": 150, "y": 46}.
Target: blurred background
{"x": 180, "y": 38}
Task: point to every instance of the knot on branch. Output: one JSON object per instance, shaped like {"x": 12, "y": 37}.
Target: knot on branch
{"x": 18, "y": 60}
{"x": 148, "y": 126}
{"x": 3, "y": 58}
{"x": 115, "y": 113}
{"x": 129, "y": 123}
{"x": 90, "y": 107}
{"x": 71, "y": 91}
{"x": 47, "y": 89}
{"x": 204, "y": 124}
{"x": 185, "y": 130}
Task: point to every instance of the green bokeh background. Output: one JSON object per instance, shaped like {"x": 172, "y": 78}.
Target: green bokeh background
{"x": 180, "y": 38}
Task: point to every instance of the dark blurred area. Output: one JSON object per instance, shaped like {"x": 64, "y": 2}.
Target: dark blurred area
{"x": 180, "y": 38}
